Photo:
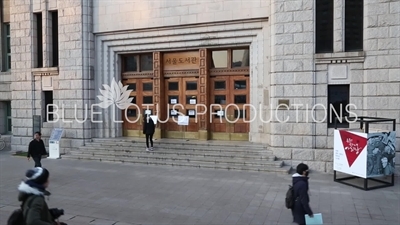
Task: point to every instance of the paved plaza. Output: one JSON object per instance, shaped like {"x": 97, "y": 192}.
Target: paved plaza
{"x": 106, "y": 194}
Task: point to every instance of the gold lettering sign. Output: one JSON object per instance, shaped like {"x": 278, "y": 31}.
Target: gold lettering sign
{"x": 181, "y": 61}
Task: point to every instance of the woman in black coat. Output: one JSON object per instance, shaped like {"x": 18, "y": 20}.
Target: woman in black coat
{"x": 300, "y": 187}
{"x": 149, "y": 129}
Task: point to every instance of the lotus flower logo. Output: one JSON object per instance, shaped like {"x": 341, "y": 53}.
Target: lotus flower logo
{"x": 115, "y": 94}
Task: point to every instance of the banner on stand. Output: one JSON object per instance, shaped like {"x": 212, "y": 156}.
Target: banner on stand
{"x": 349, "y": 154}
{"x": 381, "y": 154}
{"x": 364, "y": 155}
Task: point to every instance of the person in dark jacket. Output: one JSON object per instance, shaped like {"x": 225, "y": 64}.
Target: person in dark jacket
{"x": 32, "y": 192}
{"x": 37, "y": 149}
{"x": 300, "y": 187}
{"x": 149, "y": 129}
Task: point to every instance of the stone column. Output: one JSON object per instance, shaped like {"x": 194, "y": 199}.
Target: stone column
{"x": 203, "y": 96}
{"x": 260, "y": 87}
{"x": 46, "y": 37}
{"x": 338, "y": 42}
{"x": 21, "y": 76}
{"x": 158, "y": 92}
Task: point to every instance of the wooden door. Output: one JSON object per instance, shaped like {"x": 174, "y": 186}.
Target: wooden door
{"x": 230, "y": 116}
{"x": 142, "y": 94}
{"x": 239, "y": 113}
{"x": 219, "y": 99}
{"x": 181, "y": 97}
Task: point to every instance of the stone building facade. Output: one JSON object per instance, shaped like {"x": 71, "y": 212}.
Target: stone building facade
{"x": 301, "y": 53}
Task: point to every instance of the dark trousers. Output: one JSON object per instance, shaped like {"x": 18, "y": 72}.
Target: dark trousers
{"x": 149, "y": 137}
{"x": 37, "y": 160}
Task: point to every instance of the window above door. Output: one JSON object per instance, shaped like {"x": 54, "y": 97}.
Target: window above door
{"x": 230, "y": 58}
{"x": 137, "y": 62}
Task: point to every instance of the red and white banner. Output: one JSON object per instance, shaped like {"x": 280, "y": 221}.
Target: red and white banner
{"x": 350, "y": 154}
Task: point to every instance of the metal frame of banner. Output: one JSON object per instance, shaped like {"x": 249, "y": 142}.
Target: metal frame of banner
{"x": 365, "y": 120}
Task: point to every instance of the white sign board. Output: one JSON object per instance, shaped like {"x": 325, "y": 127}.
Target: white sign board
{"x": 220, "y": 113}
{"x": 154, "y": 118}
{"x": 174, "y": 101}
{"x": 192, "y": 101}
{"x": 54, "y": 143}
{"x": 183, "y": 120}
{"x": 56, "y": 134}
{"x": 350, "y": 153}
{"x": 54, "y": 150}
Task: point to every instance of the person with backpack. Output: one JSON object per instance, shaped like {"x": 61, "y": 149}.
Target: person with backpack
{"x": 148, "y": 129}
{"x": 301, "y": 199}
{"x": 34, "y": 209}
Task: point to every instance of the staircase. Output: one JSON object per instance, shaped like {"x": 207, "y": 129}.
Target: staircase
{"x": 202, "y": 154}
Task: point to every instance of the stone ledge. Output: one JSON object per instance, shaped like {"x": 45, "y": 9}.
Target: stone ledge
{"x": 340, "y": 57}
{"x": 312, "y": 157}
{"x": 5, "y": 72}
{"x": 178, "y": 28}
{"x": 49, "y": 71}
{"x": 5, "y": 77}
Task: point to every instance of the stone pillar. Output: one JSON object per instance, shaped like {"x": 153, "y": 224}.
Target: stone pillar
{"x": 21, "y": 76}
{"x": 46, "y": 37}
{"x": 203, "y": 96}
{"x": 338, "y": 42}
{"x": 158, "y": 92}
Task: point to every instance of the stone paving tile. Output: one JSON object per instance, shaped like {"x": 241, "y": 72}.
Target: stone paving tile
{"x": 120, "y": 194}
{"x": 80, "y": 219}
{"x": 102, "y": 222}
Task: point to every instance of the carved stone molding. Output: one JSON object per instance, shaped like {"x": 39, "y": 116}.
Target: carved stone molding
{"x": 136, "y": 76}
{"x": 181, "y": 73}
{"x": 52, "y": 71}
{"x": 130, "y": 75}
{"x": 158, "y": 85}
{"x": 241, "y": 71}
{"x": 203, "y": 88}
{"x": 340, "y": 57}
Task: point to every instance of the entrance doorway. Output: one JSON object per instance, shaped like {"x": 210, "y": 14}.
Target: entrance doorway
{"x": 182, "y": 97}
{"x": 142, "y": 94}
{"x": 230, "y": 116}
{"x": 217, "y": 77}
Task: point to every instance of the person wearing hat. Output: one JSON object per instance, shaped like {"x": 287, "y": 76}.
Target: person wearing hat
{"x": 32, "y": 193}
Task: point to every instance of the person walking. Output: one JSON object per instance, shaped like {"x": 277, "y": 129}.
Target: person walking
{"x": 32, "y": 194}
{"x": 300, "y": 193}
{"x": 148, "y": 130}
{"x": 37, "y": 149}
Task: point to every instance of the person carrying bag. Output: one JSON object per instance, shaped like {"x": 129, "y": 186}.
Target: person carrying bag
{"x": 34, "y": 209}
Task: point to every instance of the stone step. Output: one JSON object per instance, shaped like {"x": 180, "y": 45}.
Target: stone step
{"x": 233, "y": 155}
{"x": 183, "y": 152}
{"x": 158, "y": 145}
{"x": 179, "y": 149}
{"x": 283, "y": 169}
{"x": 232, "y": 144}
{"x": 156, "y": 142}
{"x": 155, "y": 156}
